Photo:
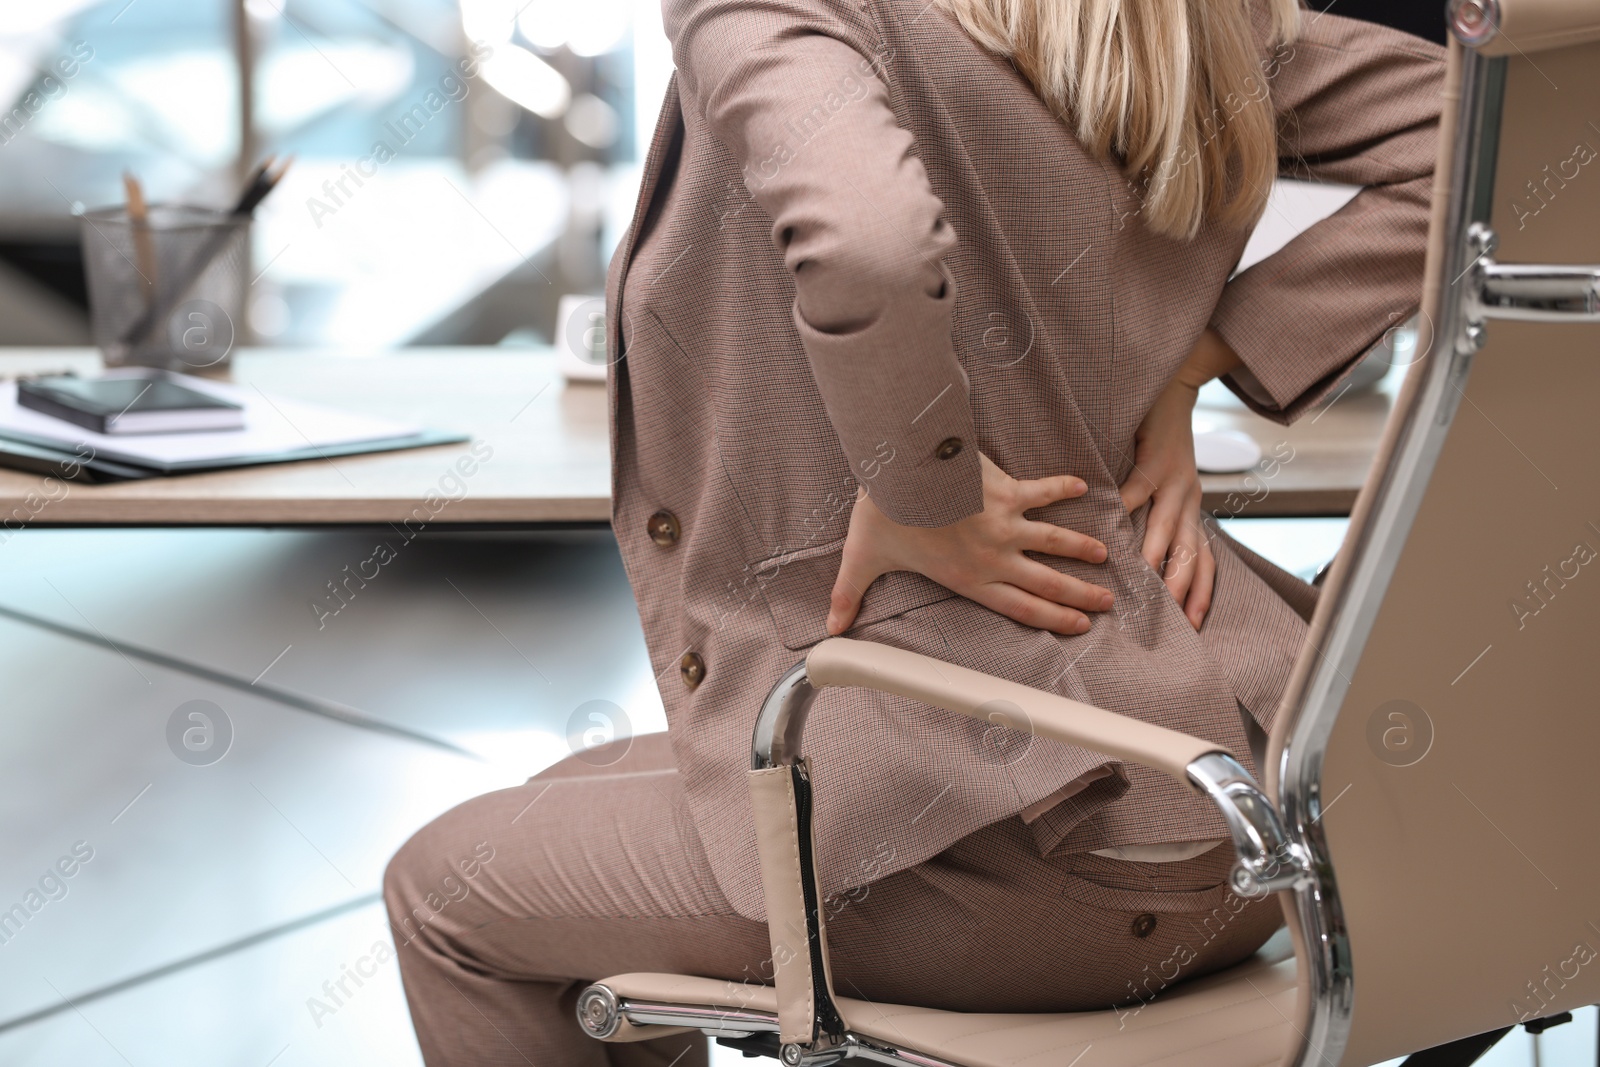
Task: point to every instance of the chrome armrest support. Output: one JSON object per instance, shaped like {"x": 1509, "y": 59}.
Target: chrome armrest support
{"x": 782, "y": 720}
{"x": 780, "y": 727}
{"x": 1266, "y": 858}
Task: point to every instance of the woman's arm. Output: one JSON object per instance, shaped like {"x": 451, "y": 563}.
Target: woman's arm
{"x": 791, "y": 88}
{"x": 1356, "y": 103}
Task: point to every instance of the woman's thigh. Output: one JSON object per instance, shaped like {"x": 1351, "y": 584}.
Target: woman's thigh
{"x": 582, "y": 872}
{"x": 989, "y": 925}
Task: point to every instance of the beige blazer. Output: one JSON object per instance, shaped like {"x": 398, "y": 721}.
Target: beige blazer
{"x": 865, "y": 250}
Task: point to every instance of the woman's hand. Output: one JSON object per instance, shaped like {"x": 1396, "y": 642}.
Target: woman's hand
{"x": 980, "y": 557}
{"x": 1164, "y": 473}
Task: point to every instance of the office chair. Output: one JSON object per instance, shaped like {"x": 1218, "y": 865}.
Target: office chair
{"x": 1427, "y": 822}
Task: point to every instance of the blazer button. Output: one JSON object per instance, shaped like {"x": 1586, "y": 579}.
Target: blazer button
{"x": 949, "y": 448}
{"x": 1144, "y": 925}
{"x": 664, "y": 529}
{"x": 692, "y": 669}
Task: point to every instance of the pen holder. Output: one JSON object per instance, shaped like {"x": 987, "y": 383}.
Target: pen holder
{"x": 167, "y": 291}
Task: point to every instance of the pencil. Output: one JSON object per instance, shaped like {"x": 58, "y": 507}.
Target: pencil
{"x": 144, "y": 251}
{"x": 262, "y": 181}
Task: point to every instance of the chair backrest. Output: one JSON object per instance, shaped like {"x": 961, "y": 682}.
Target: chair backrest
{"x": 1439, "y": 742}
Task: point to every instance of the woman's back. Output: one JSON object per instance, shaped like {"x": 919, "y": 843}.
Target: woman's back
{"x": 877, "y": 307}
{"x": 784, "y": 338}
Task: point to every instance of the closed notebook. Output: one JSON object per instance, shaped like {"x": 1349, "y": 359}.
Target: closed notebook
{"x": 132, "y": 404}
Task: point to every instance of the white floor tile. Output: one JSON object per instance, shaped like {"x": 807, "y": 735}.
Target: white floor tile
{"x": 248, "y": 1009}
{"x": 475, "y": 637}
{"x": 301, "y": 814}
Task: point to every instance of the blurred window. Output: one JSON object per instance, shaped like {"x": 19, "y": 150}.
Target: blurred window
{"x": 458, "y": 166}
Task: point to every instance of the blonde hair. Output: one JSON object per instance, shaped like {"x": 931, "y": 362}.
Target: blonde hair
{"x": 1174, "y": 89}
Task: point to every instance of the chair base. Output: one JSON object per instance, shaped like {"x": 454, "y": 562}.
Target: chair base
{"x": 755, "y": 1045}
{"x": 1239, "y": 1017}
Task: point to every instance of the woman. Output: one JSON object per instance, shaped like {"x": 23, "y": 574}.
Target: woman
{"x": 906, "y": 334}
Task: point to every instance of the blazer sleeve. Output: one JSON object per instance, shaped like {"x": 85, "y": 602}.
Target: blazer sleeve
{"x": 1357, "y": 103}
{"x": 793, "y": 89}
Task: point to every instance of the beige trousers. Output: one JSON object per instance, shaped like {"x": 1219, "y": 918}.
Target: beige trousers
{"x": 505, "y": 906}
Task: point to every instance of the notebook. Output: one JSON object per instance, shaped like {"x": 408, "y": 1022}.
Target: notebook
{"x": 277, "y": 429}
{"x": 139, "y": 403}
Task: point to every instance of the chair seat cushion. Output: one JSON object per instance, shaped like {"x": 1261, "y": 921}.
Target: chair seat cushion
{"x": 1240, "y": 1017}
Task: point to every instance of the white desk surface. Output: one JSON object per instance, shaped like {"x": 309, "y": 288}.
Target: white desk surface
{"x": 550, "y": 458}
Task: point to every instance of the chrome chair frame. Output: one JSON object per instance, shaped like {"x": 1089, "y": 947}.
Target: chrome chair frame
{"x": 1266, "y": 858}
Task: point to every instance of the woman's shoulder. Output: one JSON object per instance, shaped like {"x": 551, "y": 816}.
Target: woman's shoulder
{"x": 849, "y": 20}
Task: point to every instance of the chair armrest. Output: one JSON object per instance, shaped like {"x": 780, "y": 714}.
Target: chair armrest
{"x": 841, "y": 661}
{"x": 780, "y": 792}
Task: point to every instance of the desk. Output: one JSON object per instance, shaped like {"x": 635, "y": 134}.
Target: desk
{"x": 550, "y": 461}
{"x": 1323, "y": 458}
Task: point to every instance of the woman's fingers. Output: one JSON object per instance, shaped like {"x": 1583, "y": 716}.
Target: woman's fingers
{"x": 981, "y": 557}
{"x": 848, "y": 589}
{"x": 1055, "y": 540}
{"x": 1182, "y": 560}
{"x": 859, "y": 567}
{"x": 1205, "y": 577}
{"x": 1161, "y": 527}
{"x": 1028, "y": 609}
{"x": 1137, "y": 490}
{"x": 1039, "y": 492}
{"x": 1034, "y": 577}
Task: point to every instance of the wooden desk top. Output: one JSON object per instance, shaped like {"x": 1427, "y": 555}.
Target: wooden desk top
{"x": 1321, "y": 461}
{"x": 550, "y": 459}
